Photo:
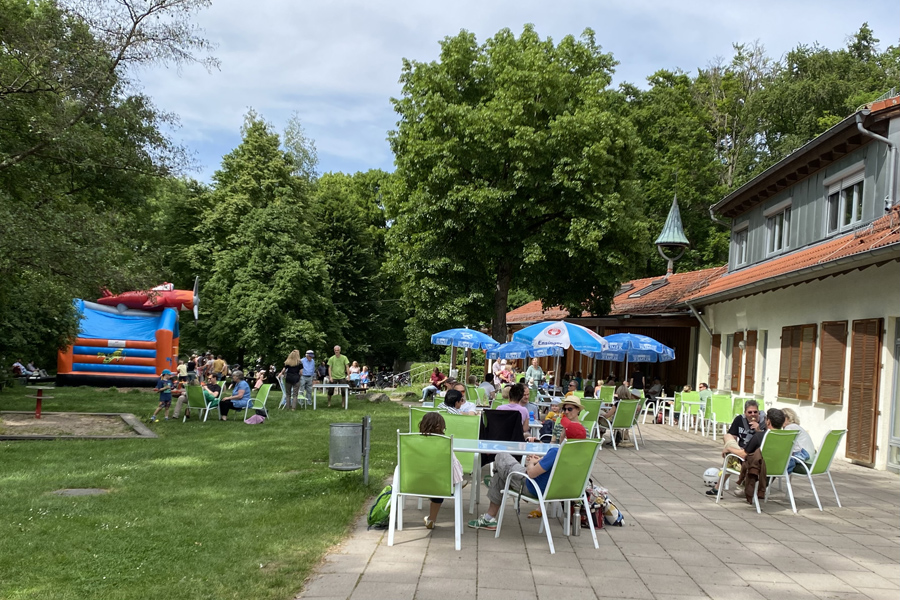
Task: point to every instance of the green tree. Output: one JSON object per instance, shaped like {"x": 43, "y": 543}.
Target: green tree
{"x": 515, "y": 169}
{"x": 268, "y": 289}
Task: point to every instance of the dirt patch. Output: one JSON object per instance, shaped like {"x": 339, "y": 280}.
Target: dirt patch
{"x": 81, "y": 425}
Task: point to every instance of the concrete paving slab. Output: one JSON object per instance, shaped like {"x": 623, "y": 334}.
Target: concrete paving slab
{"x": 673, "y": 539}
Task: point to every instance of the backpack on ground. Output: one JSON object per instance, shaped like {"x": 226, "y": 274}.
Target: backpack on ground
{"x": 380, "y": 513}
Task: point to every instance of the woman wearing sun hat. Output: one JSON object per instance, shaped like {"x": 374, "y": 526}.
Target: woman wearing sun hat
{"x": 568, "y": 426}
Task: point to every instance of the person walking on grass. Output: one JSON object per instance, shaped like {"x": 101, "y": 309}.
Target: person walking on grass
{"x": 307, "y": 374}
{"x": 164, "y": 387}
{"x": 291, "y": 375}
{"x": 337, "y": 371}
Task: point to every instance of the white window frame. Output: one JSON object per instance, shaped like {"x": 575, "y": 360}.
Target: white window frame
{"x": 778, "y": 229}
{"x": 740, "y": 238}
{"x": 848, "y": 189}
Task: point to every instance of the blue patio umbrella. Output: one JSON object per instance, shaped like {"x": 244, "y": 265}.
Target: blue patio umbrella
{"x": 520, "y": 351}
{"x": 464, "y": 338}
{"x": 561, "y": 333}
{"x": 632, "y": 348}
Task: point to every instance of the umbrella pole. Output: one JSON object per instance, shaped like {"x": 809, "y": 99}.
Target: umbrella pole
{"x": 626, "y": 371}
{"x": 452, "y": 360}
{"x": 468, "y": 363}
{"x": 556, "y": 378}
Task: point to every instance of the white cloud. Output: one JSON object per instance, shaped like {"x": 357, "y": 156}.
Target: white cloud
{"x": 337, "y": 63}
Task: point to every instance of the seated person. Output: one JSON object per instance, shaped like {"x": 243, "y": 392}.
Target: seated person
{"x": 536, "y": 467}
{"x": 611, "y": 380}
{"x": 571, "y": 388}
{"x": 19, "y": 369}
{"x": 568, "y": 426}
{"x": 488, "y": 385}
{"x": 753, "y": 467}
{"x": 467, "y": 408}
{"x": 455, "y": 402}
{"x": 438, "y": 380}
{"x": 804, "y": 449}
{"x": 588, "y": 391}
{"x": 433, "y": 424}
{"x": 239, "y": 397}
{"x": 518, "y": 399}
{"x": 655, "y": 390}
{"x": 705, "y": 395}
{"x": 506, "y": 374}
{"x": 739, "y": 435}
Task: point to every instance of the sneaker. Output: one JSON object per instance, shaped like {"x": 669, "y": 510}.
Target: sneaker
{"x": 153, "y": 419}
{"x": 484, "y": 522}
{"x": 167, "y": 418}
{"x": 712, "y": 492}
{"x": 739, "y": 491}
{"x": 487, "y": 481}
{"x": 429, "y": 524}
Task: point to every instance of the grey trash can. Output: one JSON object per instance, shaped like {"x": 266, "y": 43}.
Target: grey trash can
{"x": 345, "y": 446}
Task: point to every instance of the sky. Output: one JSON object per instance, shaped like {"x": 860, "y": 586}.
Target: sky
{"x": 336, "y": 64}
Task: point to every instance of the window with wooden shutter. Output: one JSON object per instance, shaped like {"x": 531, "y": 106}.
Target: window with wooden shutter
{"x": 736, "y": 361}
{"x": 750, "y": 365}
{"x": 831, "y": 364}
{"x": 795, "y": 373}
{"x": 862, "y": 399}
{"x": 714, "y": 361}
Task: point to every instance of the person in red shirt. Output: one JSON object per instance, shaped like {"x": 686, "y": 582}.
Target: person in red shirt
{"x": 568, "y": 426}
{"x": 438, "y": 380}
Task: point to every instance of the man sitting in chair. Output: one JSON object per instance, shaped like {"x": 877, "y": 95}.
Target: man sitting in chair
{"x": 738, "y": 437}
{"x": 536, "y": 467}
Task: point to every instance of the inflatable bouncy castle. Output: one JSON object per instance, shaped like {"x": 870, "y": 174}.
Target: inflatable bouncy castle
{"x": 122, "y": 346}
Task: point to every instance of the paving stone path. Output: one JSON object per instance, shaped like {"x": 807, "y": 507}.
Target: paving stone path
{"x": 676, "y": 544}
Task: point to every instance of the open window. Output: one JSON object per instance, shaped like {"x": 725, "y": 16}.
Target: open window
{"x": 845, "y": 199}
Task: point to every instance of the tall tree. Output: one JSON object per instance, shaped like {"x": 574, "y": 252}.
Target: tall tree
{"x": 515, "y": 168}
{"x": 268, "y": 290}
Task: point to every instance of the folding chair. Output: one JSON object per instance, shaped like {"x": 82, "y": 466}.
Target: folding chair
{"x": 607, "y": 392}
{"x": 625, "y": 417}
{"x": 776, "y": 451}
{"x": 259, "y": 403}
{"x": 424, "y": 468}
{"x": 415, "y": 416}
{"x": 196, "y": 401}
{"x": 593, "y": 407}
{"x": 568, "y": 480}
{"x": 465, "y": 427}
{"x": 720, "y": 411}
{"x": 822, "y": 464}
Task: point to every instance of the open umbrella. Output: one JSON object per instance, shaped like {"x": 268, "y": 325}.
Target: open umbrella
{"x": 561, "y": 334}
{"x": 464, "y": 338}
{"x": 520, "y": 351}
{"x": 632, "y": 348}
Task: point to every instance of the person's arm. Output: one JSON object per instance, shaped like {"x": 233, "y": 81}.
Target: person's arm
{"x": 329, "y": 370}
{"x": 533, "y": 466}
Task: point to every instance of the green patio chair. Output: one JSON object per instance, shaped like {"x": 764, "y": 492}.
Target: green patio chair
{"x": 625, "y": 417}
{"x": 481, "y": 396}
{"x": 415, "y": 417}
{"x": 424, "y": 468}
{"x": 776, "y": 451}
{"x": 568, "y": 480}
{"x": 688, "y": 410}
{"x": 578, "y": 393}
{"x": 822, "y": 463}
{"x": 465, "y": 427}
{"x": 259, "y": 403}
{"x": 607, "y": 392}
{"x": 737, "y": 407}
{"x": 196, "y": 401}
{"x": 593, "y": 407}
{"x": 498, "y": 402}
{"x": 520, "y": 377}
{"x": 705, "y": 412}
{"x": 471, "y": 394}
{"x": 720, "y": 411}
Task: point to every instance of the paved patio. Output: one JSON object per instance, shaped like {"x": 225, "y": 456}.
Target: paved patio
{"x": 676, "y": 542}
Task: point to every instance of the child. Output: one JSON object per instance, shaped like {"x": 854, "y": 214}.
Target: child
{"x": 164, "y": 387}
{"x": 364, "y": 378}
{"x": 433, "y": 424}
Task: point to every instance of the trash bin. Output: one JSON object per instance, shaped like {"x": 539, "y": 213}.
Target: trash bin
{"x": 345, "y": 446}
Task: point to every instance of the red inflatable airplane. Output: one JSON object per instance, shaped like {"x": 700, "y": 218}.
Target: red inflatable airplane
{"x": 157, "y": 298}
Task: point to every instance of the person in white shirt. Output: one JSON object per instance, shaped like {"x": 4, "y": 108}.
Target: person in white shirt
{"x": 488, "y": 384}
{"x": 804, "y": 449}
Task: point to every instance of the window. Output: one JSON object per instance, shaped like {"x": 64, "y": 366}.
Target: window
{"x": 778, "y": 228}
{"x": 740, "y": 247}
{"x": 845, "y": 196}
{"x": 795, "y": 373}
{"x": 650, "y": 288}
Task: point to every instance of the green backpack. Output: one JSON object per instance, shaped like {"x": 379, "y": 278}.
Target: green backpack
{"x": 380, "y": 513}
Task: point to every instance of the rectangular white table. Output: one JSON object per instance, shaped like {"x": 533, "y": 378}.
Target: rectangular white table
{"x": 342, "y": 388}
{"x": 479, "y": 447}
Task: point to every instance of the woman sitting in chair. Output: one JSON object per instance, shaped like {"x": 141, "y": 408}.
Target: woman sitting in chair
{"x": 239, "y": 397}
{"x": 433, "y": 424}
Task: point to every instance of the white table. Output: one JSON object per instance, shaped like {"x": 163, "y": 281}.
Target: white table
{"x": 686, "y": 410}
{"x": 479, "y": 447}
{"x": 670, "y": 402}
{"x": 342, "y": 388}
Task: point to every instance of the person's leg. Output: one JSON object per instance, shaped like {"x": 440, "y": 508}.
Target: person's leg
{"x": 306, "y": 388}
{"x": 178, "y": 405}
{"x": 166, "y": 411}
{"x": 504, "y": 464}
{"x": 428, "y": 391}
{"x": 433, "y": 512}
{"x": 294, "y": 389}
{"x": 224, "y": 407}
{"x": 156, "y": 412}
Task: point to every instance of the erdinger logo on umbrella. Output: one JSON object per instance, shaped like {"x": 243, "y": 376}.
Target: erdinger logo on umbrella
{"x": 554, "y": 331}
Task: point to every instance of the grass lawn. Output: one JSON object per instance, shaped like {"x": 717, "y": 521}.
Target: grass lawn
{"x": 208, "y": 510}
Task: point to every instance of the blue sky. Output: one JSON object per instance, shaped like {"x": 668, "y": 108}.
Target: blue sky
{"x": 337, "y": 63}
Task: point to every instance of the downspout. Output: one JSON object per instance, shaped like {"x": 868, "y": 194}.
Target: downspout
{"x": 892, "y": 161}
{"x": 712, "y": 216}
{"x": 699, "y": 318}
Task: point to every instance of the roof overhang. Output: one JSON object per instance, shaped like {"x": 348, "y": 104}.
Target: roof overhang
{"x": 875, "y": 257}
{"x": 815, "y": 155}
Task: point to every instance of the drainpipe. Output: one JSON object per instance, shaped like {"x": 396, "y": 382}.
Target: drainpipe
{"x": 712, "y": 216}
{"x": 699, "y": 318}
{"x": 892, "y": 150}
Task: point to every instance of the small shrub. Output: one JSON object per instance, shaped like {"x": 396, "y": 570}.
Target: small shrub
{"x": 113, "y": 390}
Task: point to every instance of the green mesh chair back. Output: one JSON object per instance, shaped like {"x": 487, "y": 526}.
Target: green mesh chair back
{"x": 471, "y": 394}
{"x": 415, "y": 417}
{"x": 583, "y": 416}
{"x": 463, "y": 427}
{"x": 722, "y": 408}
{"x": 579, "y": 394}
{"x": 827, "y": 451}
{"x": 481, "y": 396}
{"x": 262, "y": 395}
{"x": 676, "y": 406}
{"x": 737, "y": 407}
{"x": 593, "y": 406}
{"x": 762, "y": 405}
{"x": 520, "y": 377}
{"x": 498, "y": 402}
{"x": 626, "y": 412}
{"x": 570, "y": 473}
{"x": 776, "y": 450}
{"x": 607, "y": 392}
{"x": 425, "y": 466}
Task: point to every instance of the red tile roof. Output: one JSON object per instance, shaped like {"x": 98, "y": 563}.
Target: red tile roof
{"x": 880, "y": 234}
{"x": 661, "y": 300}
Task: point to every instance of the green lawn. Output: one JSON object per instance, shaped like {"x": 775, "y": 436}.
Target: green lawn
{"x": 208, "y": 510}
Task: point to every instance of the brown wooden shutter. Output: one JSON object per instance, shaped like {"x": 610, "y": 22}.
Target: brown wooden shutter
{"x": 784, "y": 369}
{"x": 750, "y": 366}
{"x": 831, "y": 365}
{"x": 862, "y": 411}
{"x": 714, "y": 351}
{"x": 806, "y": 363}
{"x": 736, "y": 361}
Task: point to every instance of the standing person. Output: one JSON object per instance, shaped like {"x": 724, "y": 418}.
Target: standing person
{"x": 164, "y": 387}
{"x": 192, "y": 369}
{"x": 534, "y": 374}
{"x": 337, "y": 371}
{"x": 637, "y": 380}
{"x": 307, "y": 374}
{"x": 364, "y": 378}
{"x": 495, "y": 370}
{"x": 354, "y": 374}
{"x": 291, "y": 374}
{"x": 219, "y": 367}
{"x": 239, "y": 397}
{"x": 322, "y": 372}
{"x": 182, "y": 371}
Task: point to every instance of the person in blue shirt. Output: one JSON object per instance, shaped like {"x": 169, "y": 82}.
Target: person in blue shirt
{"x": 164, "y": 387}
{"x": 239, "y": 397}
{"x": 536, "y": 467}
{"x": 308, "y": 373}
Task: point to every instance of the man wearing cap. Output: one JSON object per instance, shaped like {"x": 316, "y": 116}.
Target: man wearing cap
{"x": 307, "y": 374}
